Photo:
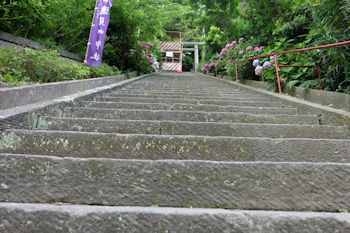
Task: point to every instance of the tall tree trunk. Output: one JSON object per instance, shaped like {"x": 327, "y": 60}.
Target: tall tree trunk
{"x": 277, "y": 7}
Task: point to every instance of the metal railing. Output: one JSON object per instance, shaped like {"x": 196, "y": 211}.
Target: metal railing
{"x": 277, "y": 65}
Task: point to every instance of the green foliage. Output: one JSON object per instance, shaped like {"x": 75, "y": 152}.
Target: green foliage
{"x": 63, "y": 24}
{"x": 215, "y": 41}
{"x": 283, "y": 25}
{"x": 31, "y": 66}
{"x": 187, "y": 63}
{"x": 66, "y": 24}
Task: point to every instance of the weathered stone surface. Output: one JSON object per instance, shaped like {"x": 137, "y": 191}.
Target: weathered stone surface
{"x": 242, "y": 107}
{"x": 268, "y": 115}
{"x": 192, "y": 128}
{"x": 170, "y": 92}
{"x": 177, "y": 94}
{"x": 29, "y": 218}
{"x": 249, "y": 109}
{"x": 13, "y": 97}
{"x": 233, "y": 185}
{"x": 228, "y": 147}
{"x": 84, "y": 145}
{"x": 125, "y": 105}
{"x": 193, "y": 107}
{"x": 232, "y": 97}
{"x": 234, "y": 102}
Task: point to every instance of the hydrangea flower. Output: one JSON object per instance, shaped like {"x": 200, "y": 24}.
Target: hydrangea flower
{"x": 267, "y": 65}
{"x": 233, "y": 44}
{"x": 257, "y": 49}
{"x": 241, "y": 40}
{"x": 258, "y": 70}
{"x": 249, "y": 48}
{"x": 212, "y": 65}
{"x": 272, "y": 58}
{"x": 256, "y": 63}
{"x": 241, "y": 52}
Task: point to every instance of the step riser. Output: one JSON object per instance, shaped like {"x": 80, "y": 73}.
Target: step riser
{"x": 189, "y": 95}
{"x": 204, "y": 108}
{"x": 188, "y": 101}
{"x": 163, "y": 92}
{"x": 187, "y": 128}
{"x": 49, "y": 218}
{"x": 126, "y": 105}
{"x": 260, "y": 186}
{"x": 173, "y": 147}
{"x": 235, "y": 97}
{"x": 131, "y": 114}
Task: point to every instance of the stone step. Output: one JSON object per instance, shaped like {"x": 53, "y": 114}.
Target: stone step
{"x": 255, "y": 102}
{"x": 189, "y": 94}
{"x": 173, "y": 91}
{"x": 197, "y": 108}
{"x": 99, "y": 145}
{"x": 244, "y": 116}
{"x": 181, "y": 89}
{"x": 192, "y": 128}
{"x": 164, "y": 106}
{"x": 124, "y": 105}
{"x": 87, "y": 219}
{"x": 231, "y": 97}
{"x": 198, "y": 184}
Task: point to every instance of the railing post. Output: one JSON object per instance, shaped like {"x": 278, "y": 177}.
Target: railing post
{"x": 318, "y": 70}
{"x": 236, "y": 71}
{"x": 278, "y": 75}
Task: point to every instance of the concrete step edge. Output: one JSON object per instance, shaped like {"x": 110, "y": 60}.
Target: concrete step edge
{"x": 198, "y": 122}
{"x": 145, "y": 110}
{"x": 192, "y": 128}
{"x": 87, "y": 219}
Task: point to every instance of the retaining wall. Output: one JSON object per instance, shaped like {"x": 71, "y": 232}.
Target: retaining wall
{"x": 327, "y": 98}
{"x": 24, "y": 95}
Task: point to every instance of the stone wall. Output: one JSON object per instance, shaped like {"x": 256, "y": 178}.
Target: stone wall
{"x": 23, "y": 95}
{"x": 327, "y": 98}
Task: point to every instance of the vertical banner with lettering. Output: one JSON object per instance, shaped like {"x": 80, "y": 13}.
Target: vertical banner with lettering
{"x": 98, "y": 33}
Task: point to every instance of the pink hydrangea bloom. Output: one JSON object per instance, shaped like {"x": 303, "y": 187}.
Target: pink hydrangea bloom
{"x": 249, "y": 48}
{"x": 258, "y": 70}
{"x": 241, "y": 52}
{"x": 234, "y": 44}
{"x": 241, "y": 40}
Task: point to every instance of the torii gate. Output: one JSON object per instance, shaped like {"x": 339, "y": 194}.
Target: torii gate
{"x": 187, "y": 47}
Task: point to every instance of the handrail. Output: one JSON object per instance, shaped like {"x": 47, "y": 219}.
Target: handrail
{"x": 275, "y": 55}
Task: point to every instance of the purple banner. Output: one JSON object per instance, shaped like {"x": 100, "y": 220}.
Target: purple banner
{"x": 98, "y": 33}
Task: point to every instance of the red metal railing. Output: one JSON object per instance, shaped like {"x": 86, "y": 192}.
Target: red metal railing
{"x": 275, "y": 55}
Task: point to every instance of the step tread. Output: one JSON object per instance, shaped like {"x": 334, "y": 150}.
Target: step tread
{"x": 192, "y": 128}
{"x": 288, "y": 186}
{"x": 131, "y": 146}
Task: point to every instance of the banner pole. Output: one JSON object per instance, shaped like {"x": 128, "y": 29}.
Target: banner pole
{"x": 91, "y": 31}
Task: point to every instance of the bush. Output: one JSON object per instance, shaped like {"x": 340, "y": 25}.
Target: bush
{"x": 18, "y": 65}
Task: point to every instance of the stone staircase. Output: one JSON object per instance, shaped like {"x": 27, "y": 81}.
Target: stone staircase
{"x": 176, "y": 153}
